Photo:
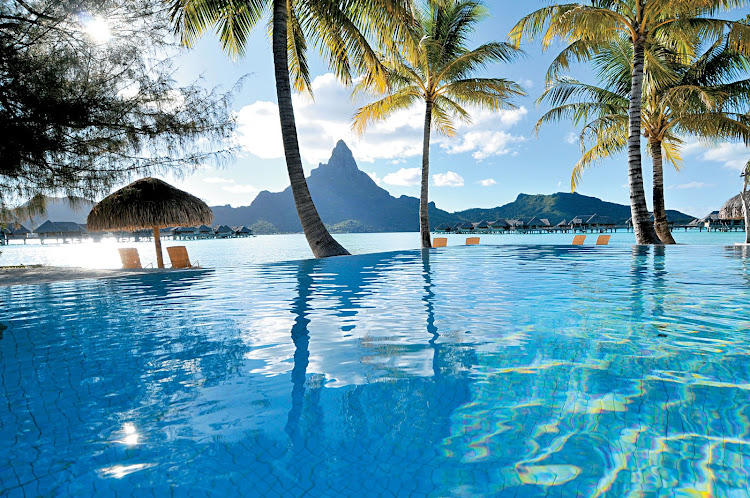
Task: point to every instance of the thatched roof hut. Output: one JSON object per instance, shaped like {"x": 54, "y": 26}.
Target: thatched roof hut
{"x": 467, "y": 225}
{"x": 500, "y": 224}
{"x": 60, "y": 228}
{"x": 443, "y": 227}
{"x": 732, "y": 209}
{"x": 148, "y": 203}
{"x": 483, "y": 225}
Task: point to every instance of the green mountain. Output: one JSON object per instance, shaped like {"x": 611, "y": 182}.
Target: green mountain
{"x": 558, "y": 207}
{"x": 348, "y": 200}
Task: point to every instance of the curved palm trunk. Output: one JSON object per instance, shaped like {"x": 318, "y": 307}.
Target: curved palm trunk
{"x": 321, "y": 242}
{"x": 644, "y": 230}
{"x": 746, "y": 214}
{"x": 424, "y": 199}
{"x": 660, "y": 213}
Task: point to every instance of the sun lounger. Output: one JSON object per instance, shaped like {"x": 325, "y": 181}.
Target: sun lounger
{"x": 603, "y": 240}
{"x": 472, "y": 241}
{"x": 439, "y": 242}
{"x": 578, "y": 240}
{"x": 130, "y": 258}
{"x": 179, "y": 257}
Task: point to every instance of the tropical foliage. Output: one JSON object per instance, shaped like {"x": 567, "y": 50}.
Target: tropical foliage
{"x": 589, "y": 26}
{"x": 439, "y": 70}
{"x": 78, "y": 116}
{"x": 342, "y": 30}
{"x": 701, "y": 94}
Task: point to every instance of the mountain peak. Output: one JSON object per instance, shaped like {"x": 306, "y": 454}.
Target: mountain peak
{"x": 342, "y": 157}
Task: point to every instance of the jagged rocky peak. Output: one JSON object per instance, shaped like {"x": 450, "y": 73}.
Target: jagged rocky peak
{"x": 341, "y": 157}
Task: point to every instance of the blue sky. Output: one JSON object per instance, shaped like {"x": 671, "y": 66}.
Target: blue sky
{"x": 487, "y": 164}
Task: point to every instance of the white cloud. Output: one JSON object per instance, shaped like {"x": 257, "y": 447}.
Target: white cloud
{"x": 571, "y": 138}
{"x": 487, "y": 182}
{"x": 216, "y": 179}
{"x": 485, "y": 144}
{"x": 405, "y": 177}
{"x": 320, "y": 124}
{"x": 375, "y": 177}
{"x": 241, "y": 189}
{"x": 730, "y": 155}
{"x": 690, "y": 185}
{"x": 448, "y": 179}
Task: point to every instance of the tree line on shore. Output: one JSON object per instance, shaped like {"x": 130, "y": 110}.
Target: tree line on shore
{"x": 85, "y": 117}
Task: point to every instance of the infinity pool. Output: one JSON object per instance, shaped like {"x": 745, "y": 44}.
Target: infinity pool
{"x": 468, "y": 371}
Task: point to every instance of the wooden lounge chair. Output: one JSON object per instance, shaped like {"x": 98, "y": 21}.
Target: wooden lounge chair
{"x": 179, "y": 257}
{"x": 578, "y": 240}
{"x": 439, "y": 242}
{"x": 603, "y": 240}
{"x": 130, "y": 258}
{"x": 472, "y": 241}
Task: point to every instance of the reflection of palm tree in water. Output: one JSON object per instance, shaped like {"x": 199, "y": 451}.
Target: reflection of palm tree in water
{"x": 659, "y": 288}
{"x": 429, "y": 296}
{"x": 301, "y": 340}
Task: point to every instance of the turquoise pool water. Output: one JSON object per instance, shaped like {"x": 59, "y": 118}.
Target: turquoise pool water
{"x": 469, "y": 371}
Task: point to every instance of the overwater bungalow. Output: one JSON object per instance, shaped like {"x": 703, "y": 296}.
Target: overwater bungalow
{"x": 223, "y": 231}
{"x": 61, "y": 230}
{"x": 500, "y": 225}
{"x": 183, "y": 233}
{"x": 482, "y": 225}
{"x": 13, "y": 230}
{"x": 204, "y": 232}
{"x": 443, "y": 227}
{"x": 466, "y": 226}
{"x": 243, "y": 231}
{"x": 516, "y": 224}
{"x": 593, "y": 222}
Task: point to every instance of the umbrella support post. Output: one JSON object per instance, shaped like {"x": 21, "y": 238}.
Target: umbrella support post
{"x": 157, "y": 242}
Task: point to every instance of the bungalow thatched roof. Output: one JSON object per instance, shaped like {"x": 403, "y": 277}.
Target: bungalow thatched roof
{"x": 732, "y": 209}
{"x": 224, "y": 229}
{"x": 467, "y": 225}
{"x": 483, "y": 224}
{"x": 443, "y": 227}
{"x": 242, "y": 229}
{"x": 60, "y": 227}
{"x": 501, "y": 223}
{"x": 145, "y": 203}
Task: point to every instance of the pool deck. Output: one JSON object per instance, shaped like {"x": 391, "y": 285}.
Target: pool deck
{"x": 34, "y": 275}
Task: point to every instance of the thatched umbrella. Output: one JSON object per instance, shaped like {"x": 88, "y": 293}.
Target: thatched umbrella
{"x": 732, "y": 209}
{"x": 148, "y": 203}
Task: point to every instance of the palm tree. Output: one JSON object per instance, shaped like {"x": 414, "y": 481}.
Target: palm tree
{"x": 438, "y": 71}
{"x": 696, "y": 95}
{"x": 743, "y": 198}
{"x": 587, "y": 26}
{"x": 339, "y": 28}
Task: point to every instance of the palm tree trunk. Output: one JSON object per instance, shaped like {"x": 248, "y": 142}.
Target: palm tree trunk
{"x": 644, "y": 230}
{"x": 321, "y": 242}
{"x": 660, "y": 213}
{"x": 424, "y": 199}
{"x": 746, "y": 213}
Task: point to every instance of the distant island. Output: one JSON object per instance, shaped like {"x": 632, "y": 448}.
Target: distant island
{"x": 348, "y": 200}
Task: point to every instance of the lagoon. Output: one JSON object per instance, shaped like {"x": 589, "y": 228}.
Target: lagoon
{"x": 275, "y": 248}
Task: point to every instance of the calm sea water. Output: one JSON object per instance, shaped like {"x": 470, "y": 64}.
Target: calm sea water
{"x": 467, "y": 371}
{"x": 274, "y": 248}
